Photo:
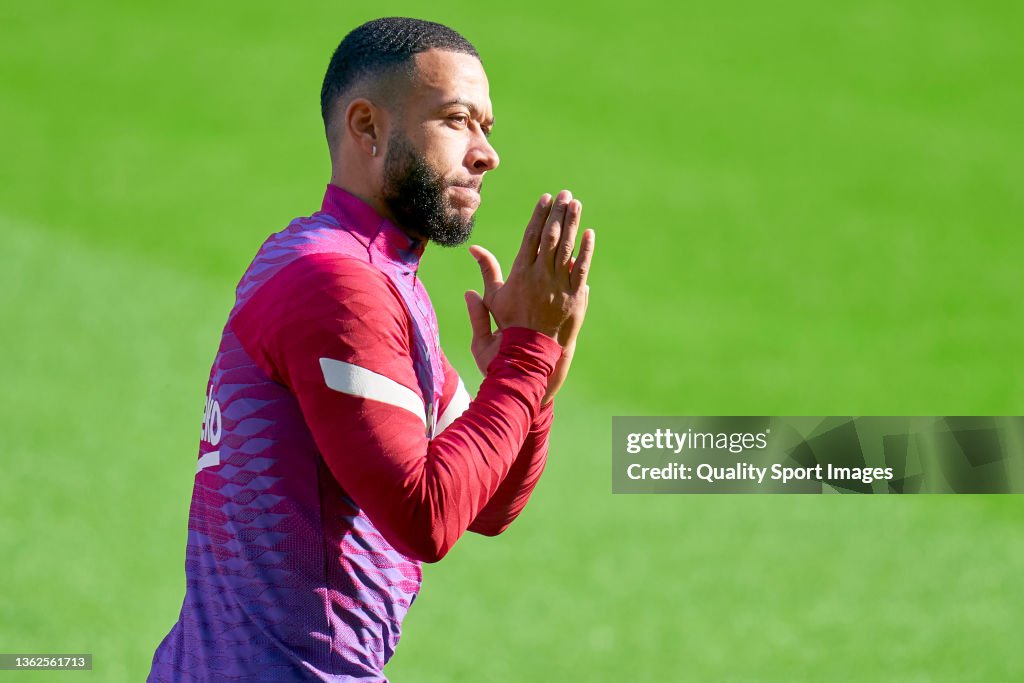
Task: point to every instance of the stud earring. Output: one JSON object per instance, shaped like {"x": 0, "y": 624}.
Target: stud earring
{"x": 373, "y": 151}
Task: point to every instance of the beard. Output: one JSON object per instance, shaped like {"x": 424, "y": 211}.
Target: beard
{"x": 416, "y": 195}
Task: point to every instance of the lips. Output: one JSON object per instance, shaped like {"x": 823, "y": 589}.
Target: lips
{"x": 468, "y": 195}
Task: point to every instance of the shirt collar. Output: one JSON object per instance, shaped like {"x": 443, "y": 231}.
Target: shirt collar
{"x": 380, "y": 235}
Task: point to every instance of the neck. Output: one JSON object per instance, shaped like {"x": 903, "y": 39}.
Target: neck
{"x": 355, "y": 183}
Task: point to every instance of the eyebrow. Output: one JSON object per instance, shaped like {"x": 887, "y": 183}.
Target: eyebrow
{"x": 472, "y": 109}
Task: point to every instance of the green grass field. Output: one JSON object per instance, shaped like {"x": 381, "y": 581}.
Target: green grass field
{"x": 801, "y": 209}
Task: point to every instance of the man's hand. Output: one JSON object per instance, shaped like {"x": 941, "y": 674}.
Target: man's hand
{"x": 546, "y": 289}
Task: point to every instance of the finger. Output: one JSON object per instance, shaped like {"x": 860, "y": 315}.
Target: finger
{"x": 552, "y": 232}
{"x": 567, "y": 243}
{"x": 580, "y": 269}
{"x": 490, "y": 270}
{"x": 479, "y": 316}
{"x": 573, "y": 330}
{"x": 531, "y": 238}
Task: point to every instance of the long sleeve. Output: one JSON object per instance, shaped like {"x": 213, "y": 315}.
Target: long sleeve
{"x": 336, "y": 333}
{"x": 514, "y": 492}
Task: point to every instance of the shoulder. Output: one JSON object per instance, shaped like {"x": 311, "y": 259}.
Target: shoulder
{"x": 323, "y": 305}
{"x": 333, "y": 272}
{"x": 320, "y": 283}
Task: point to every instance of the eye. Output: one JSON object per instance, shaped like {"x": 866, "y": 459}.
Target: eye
{"x": 461, "y": 120}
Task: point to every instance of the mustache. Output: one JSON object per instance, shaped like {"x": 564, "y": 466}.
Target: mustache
{"x": 470, "y": 183}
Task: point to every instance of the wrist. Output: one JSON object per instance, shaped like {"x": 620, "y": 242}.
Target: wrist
{"x": 521, "y": 344}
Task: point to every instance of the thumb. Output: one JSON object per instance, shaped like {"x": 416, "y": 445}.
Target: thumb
{"x": 479, "y": 316}
{"x": 490, "y": 270}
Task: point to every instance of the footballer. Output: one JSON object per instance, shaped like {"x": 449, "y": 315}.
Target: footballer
{"x": 339, "y": 448}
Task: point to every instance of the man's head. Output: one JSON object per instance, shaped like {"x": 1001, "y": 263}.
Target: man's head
{"x": 406, "y": 106}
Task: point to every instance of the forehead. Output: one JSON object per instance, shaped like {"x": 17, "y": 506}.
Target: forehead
{"x": 443, "y": 76}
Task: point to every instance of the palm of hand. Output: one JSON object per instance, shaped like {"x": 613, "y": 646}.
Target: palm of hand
{"x": 547, "y": 252}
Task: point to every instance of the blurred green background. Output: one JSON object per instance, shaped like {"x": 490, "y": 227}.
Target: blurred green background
{"x": 802, "y": 208}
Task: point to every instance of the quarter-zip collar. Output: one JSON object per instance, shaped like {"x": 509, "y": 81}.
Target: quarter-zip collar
{"x": 382, "y": 238}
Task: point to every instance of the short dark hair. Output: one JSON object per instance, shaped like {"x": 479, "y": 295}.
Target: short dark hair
{"x": 382, "y": 45}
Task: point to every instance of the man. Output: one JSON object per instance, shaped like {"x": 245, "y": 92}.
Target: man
{"x": 339, "y": 447}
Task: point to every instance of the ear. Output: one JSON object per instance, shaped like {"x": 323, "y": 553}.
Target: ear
{"x": 366, "y": 125}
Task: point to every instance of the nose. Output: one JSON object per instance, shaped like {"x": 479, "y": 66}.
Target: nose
{"x": 482, "y": 155}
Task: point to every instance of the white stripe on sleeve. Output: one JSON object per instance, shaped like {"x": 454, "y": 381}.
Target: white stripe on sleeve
{"x": 354, "y": 380}
{"x": 457, "y": 406}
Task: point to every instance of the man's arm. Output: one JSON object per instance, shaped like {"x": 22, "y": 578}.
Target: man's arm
{"x": 514, "y": 491}
{"x": 336, "y": 333}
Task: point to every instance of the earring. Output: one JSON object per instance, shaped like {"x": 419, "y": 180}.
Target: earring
{"x": 373, "y": 151}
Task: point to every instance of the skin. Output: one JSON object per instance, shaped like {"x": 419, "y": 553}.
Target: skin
{"x": 446, "y": 114}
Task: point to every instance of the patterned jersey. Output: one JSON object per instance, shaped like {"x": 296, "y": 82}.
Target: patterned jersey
{"x": 339, "y": 450}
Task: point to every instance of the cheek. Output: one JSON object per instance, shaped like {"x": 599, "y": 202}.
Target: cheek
{"x": 446, "y": 151}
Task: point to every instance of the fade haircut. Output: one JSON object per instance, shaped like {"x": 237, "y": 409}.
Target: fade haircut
{"x": 383, "y": 48}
